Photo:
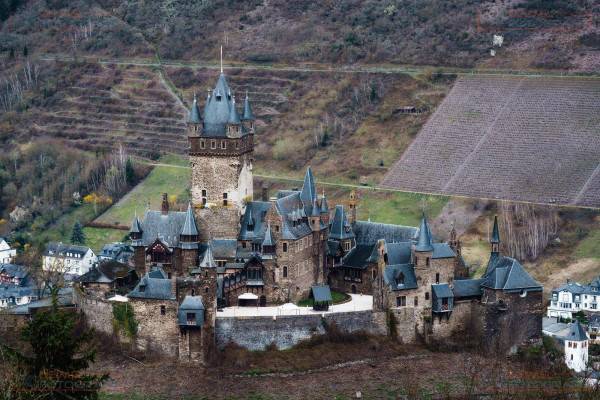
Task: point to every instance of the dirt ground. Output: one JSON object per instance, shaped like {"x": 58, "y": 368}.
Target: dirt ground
{"x": 390, "y": 374}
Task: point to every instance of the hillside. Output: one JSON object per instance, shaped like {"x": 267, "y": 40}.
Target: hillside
{"x": 557, "y": 34}
{"x": 520, "y": 139}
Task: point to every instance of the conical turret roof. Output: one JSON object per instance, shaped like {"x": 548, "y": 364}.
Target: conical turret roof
{"x": 189, "y": 226}
{"x": 136, "y": 227}
{"x": 495, "y": 231}
{"x": 268, "y": 240}
{"x": 234, "y": 117}
{"x": 208, "y": 261}
{"x": 194, "y": 116}
{"x": 248, "y": 114}
{"x": 424, "y": 239}
{"x": 316, "y": 210}
{"x": 324, "y": 205}
{"x": 308, "y": 193}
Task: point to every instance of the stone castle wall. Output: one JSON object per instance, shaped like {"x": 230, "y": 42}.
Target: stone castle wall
{"x": 98, "y": 312}
{"x": 156, "y": 332}
{"x": 218, "y": 223}
{"x": 256, "y": 333}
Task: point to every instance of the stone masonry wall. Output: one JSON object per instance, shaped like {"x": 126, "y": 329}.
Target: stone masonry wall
{"x": 156, "y": 332}
{"x": 98, "y": 312}
{"x": 256, "y": 333}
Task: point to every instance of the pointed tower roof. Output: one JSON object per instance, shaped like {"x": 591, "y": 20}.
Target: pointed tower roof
{"x": 194, "y": 116}
{"x": 136, "y": 227}
{"x": 234, "y": 117}
{"x": 324, "y": 205}
{"x": 316, "y": 210}
{"x": 250, "y": 217}
{"x": 208, "y": 261}
{"x": 189, "y": 226}
{"x": 495, "y": 231}
{"x": 340, "y": 228}
{"x": 424, "y": 239}
{"x": 308, "y": 193}
{"x": 218, "y": 108}
{"x": 268, "y": 240}
{"x": 248, "y": 114}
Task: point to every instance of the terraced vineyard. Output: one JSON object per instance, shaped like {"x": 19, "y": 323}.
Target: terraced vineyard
{"x": 117, "y": 105}
{"x": 513, "y": 138}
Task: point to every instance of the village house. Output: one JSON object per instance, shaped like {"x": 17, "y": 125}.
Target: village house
{"x": 572, "y": 339}
{"x": 7, "y": 254}
{"x": 117, "y": 251}
{"x": 69, "y": 259}
{"x": 573, "y": 297}
{"x": 15, "y": 286}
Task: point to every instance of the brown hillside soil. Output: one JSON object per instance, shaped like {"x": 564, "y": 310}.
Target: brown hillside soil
{"x": 376, "y": 368}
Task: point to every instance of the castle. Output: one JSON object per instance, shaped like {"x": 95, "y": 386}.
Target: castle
{"x": 228, "y": 249}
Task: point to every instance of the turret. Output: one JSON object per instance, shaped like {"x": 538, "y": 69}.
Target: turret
{"x": 268, "y": 244}
{"x": 234, "y": 124}
{"x": 423, "y": 249}
{"x": 324, "y": 209}
{"x": 315, "y": 216}
{"x": 308, "y": 193}
{"x": 248, "y": 116}
{"x": 189, "y": 232}
{"x": 135, "y": 232}
{"x": 495, "y": 239}
{"x": 352, "y": 206}
{"x": 194, "y": 122}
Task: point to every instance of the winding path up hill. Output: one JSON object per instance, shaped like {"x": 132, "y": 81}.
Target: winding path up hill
{"x": 513, "y": 138}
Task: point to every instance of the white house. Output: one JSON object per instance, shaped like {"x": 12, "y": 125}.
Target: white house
{"x": 68, "y": 259}
{"x": 574, "y": 297}
{"x": 7, "y": 254}
{"x": 573, "y": 339}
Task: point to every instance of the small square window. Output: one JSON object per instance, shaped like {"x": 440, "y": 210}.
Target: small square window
{"x": 202, "y": 144}
{"x": 163, "y": 310}
{"x": 213, "y": 144}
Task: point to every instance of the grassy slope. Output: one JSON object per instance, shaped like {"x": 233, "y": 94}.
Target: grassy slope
{"x": 171, "y": 180}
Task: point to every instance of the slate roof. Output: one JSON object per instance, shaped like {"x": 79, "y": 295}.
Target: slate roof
{"x": 468, "y": 287}
{"x": 219, "y": 110}
{"x": 508, "y": 274}
{"x": 442, "y": 250}
{"x": 116, "y": 251}
{"x": 157, "y": 273}
{"x": 208, "y": 260}
{"x": 192, "y": 303}
{"x": 64, "y": 298}
{"x": 572, "y": 287}
{"x": 340, "y": 229}
{"x": 13, "y": 291}
{"x": 166, "y": 227}
{"x": 495, "y": 231}
{"x": 248, "y": 114}
{"x": 367, "y": 232}
{"x": 13, "y": 270}
{"x": 61, "y": 249}
{"x": 576, "y": 332}
{"x": 321, "y": 294}
{"x": 152, "y": 288}
{"x": 308, "y": 194}
{"x": 136, "y": 227}
{"x": 398, "y": 253}
{"x": 253, "y": 225}
{"x": 359, "y": 256}
{"x": 189, "y": 226}
{"x": 194, "y": 113}
{"x": 106, "y": 272}
{"x": 594, "y": 321}
{"x": 424, "y": 238}
{"x": 333, "y": 247}
{"x": 324, "y": 205}
{"x": 288, "y": 207}
{"x": 392, "y": 272}
{"x": 441, "y": 290}
{"x": 268, "y": 240}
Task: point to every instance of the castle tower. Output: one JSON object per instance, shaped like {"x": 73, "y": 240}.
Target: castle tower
{"x": 189, "y": 242}
{"x": 495, "y": 239}
{"x": 221, "y": 156}
{"x": 139, "y": 254}
{"x": 423, "y": 249}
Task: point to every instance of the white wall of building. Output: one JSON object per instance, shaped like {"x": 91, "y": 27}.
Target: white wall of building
{"x": 70, "y": 263}
{"x": 576, "y": 355}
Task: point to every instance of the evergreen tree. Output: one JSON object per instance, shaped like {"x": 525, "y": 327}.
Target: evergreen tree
{"x": 60, "y": 350}
{"x": 129, "y": 172}
{"x": 77, "y": 236}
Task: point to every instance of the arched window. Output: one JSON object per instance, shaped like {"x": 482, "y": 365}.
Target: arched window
{"x": 285, "y": 271}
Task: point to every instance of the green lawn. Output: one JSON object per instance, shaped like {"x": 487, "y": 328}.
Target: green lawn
{"x": 61, "y": 229}
{"x": 399, "y": 207}
{"x": 336, "y": 296}
{"x": 589, "y": 247}
{"x": 95, "y": 238}
{"x": 171, "y": 180}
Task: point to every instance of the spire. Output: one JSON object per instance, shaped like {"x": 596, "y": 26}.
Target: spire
{"x": 340, "y": 228}
{"x": 136, "y": 227}
{"x": 189, "y": 227}
{"x": 324, "y": 205}
{"x": 234, "y": 117}
{"x": 208, "y": 261}
{"x": 194, "y": 115}
{"x": 495, "y": 232}
{"x": 250, "y": 218}
{"x": 268, "y": 240}
{"x": 308, "y": 188}
{"x": 221, "y": 59}
{"x": 248, "y": 114}
{"x": 424, "y": 240}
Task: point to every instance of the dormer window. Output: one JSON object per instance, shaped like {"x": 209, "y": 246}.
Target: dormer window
{"x": 400, "y": 279}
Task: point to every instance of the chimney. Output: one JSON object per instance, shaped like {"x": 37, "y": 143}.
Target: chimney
{"x": 165, "y": 204}
{"x": 264, "y": 192}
